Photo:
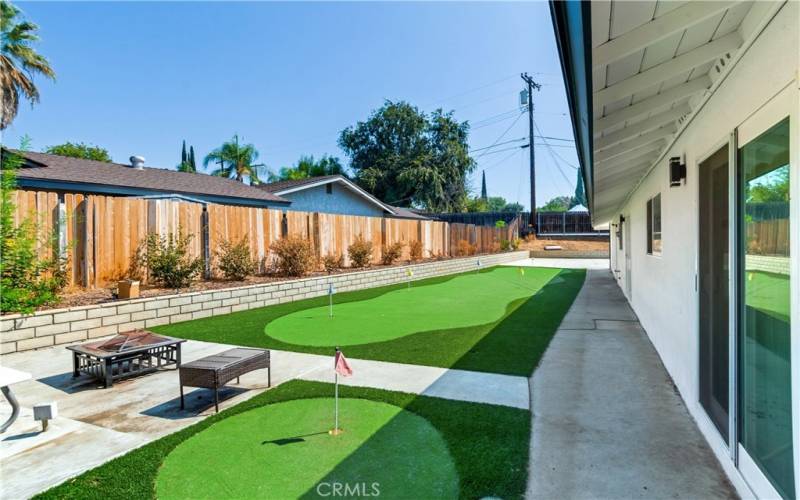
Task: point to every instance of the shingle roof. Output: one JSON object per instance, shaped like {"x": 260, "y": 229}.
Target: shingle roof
{"x": 47, "y": 167}
{"x": 407, "y": 213}
{"x": 274, "y": 187}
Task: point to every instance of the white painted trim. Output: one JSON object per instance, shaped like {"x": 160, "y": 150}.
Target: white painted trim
{"x": 656, "y": 30}
{"x": 773, "y": 11}
{"x": 673, "y": 95}
{"x": 353, "y": 187}
{"x": 754, "y": 478}
{"x": 666, "y": 70}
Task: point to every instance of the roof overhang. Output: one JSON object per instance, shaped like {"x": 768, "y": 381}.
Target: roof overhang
{"x": 341, "y": 180}
{"x": 637, "y": 73}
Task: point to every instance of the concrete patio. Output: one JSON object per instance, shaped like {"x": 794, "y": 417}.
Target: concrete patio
{"x": 607, "y": 420}
{"x": 96, "y": 424}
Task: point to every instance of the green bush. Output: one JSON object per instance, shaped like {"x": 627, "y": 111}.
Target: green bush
{"x": 168, "y": 261}
{"x": 391, "y": 253}
{"x": 360, "y": 252}
{"x": 234, "y": 260}
{"x": 293, "y": 256}
{"x": 333, "y": 262}
{"x": 26, "y": 280}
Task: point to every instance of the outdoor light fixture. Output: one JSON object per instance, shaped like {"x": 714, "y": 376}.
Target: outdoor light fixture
{"x": 677, "y": 171}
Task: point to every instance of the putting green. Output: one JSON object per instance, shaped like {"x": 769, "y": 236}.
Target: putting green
{"x": 283, "y": 450}
{"x": 466, "y": 300}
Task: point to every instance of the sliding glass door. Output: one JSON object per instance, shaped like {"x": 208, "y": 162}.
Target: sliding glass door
{"x": 764, "y": 363}
{"x": 714, "y": 275}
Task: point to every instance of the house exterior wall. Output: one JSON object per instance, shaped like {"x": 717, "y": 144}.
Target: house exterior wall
{"x": 663, "y": 289}
{"x": 341, "y": 201}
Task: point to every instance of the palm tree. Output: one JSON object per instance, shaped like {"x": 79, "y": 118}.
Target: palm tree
{"x": 307, "y": 167}
{"x": 18, "y": 62}
{"x": 235, "y": 160}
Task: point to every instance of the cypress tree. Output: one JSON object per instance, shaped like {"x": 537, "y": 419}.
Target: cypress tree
{"x": 191, "y": 159}
{"x": 483, "y": 186}
{"x": 183, "y": 153}
{"x": 580, "y": 192}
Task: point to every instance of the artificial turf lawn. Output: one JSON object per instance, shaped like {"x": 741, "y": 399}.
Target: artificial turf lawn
{"x": 512, "y": 344}
{"x": 283, "y": 450}
{"x": 769, "y": 293}
{"x": 488, "y": 444}
{"x": 467, "y": 300}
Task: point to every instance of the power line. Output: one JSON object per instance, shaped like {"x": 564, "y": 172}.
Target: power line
{"x": 499, "y": 144}
{"x": 502, "y": 135}
{"x": 555, "y": 161}
{"x": 550, "y": 146}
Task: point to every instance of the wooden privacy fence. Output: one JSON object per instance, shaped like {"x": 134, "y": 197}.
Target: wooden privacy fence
{"x": 99, "y": 235}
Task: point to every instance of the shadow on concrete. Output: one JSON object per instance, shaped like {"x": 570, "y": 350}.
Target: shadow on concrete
{"x": 197, "y": 401}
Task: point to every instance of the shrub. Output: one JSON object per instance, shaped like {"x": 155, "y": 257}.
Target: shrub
{"x": 294, "y": 256}
{"x": 415, "y": 250}
{"x": 26, "y": 281}
{"x": 464, "y": 248}
{"x": 505, "y": 245}
{"x": 360, "y": 252}
{"x": 391, "y": 253}
{"x": 333, "y": 262}
{"x": 234, "y": 260}
{"x": 168, "y": 261}
{"x": 500, "y": 224}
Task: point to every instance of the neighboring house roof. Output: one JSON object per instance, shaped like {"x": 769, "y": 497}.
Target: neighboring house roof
{"x": 408, "y": 213}
{"x": 62, "y": 172}
{"x": 282, "y": 188}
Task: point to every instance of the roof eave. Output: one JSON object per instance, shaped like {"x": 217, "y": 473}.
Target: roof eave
{"x": 572, "y": 28}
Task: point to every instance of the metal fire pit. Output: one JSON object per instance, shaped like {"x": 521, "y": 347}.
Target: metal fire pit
{"x": 127, "y": 354}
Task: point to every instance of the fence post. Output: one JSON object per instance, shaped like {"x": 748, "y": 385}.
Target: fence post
{"x": 316, "y": 237}
{"x": 204, "y": 230}
{"x": 284, "y": 225}
{"x": 62, "y": 227}
{"x": 564, "y": 223}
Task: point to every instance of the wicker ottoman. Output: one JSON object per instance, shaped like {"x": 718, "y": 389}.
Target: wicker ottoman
{"x": 213, "y": 372}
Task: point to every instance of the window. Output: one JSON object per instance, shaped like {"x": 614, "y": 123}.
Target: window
{"x": 654, "y": 225}
{"x": 329, "y": 188}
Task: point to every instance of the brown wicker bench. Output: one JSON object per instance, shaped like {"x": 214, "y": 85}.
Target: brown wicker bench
{"x": 212, "y": 372}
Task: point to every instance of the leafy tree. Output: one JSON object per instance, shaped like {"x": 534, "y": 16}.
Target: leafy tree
{"x": 483, "y": 185}
{"x": 496, "y": 203}
{"x": 476, "y": 204}
{"x": 18, "y": 62}
{"x": 514, "y": 207}
{"x": 235, "y": 160}
{"x": 80, "y": 150}
{"x": 580, "y": 193}
{"x": 26, "y": 280}
{"x": 558, "y": 204}
{"x": 307, "y": 167}
{"x": 408, "y": 158}
{"x": 772, "y": 187}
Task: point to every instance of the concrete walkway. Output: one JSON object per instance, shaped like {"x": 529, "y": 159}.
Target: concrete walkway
{"x": 607, "y": 421}
{"x": 561, "y": 263}
{"x": 95, "y": 424}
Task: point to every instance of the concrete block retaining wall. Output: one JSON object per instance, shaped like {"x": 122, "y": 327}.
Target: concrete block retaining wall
{"x": 766, "y": 263}
{"x": 63, "y": 326}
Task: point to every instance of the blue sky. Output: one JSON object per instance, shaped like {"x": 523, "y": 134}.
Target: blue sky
{"x": 138, "y": 78}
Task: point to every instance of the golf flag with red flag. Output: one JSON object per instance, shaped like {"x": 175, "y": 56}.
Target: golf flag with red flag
{"x": 340, "y": 367}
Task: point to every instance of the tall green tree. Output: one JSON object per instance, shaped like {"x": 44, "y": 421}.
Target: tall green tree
{"x": 80, "y": 150}
{"x": 408, "y": 158}
{"x": 307, "y": 167}
{"x": 191, "y": 159}
{"x": 580, "y": 193}
{"x": 187, "y": 160}
{"x": 483, "y": 185}
{"x": 19, "y": 62}
{"x": 235, "y": 160}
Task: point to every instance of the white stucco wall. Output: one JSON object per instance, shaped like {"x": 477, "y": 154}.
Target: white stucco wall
{"x": 663, "y": 287}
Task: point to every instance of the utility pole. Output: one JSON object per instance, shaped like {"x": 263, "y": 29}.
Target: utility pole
{"x": 531, "y": 87}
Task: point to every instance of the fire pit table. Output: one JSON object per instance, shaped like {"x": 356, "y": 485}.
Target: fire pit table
{"x": 130, "y": 353}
